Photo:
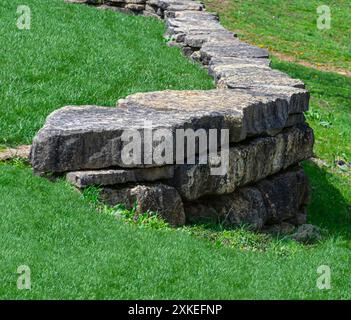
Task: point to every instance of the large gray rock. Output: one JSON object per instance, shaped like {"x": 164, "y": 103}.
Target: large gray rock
{"x": 82, "y": 179}
{"x": 194, "y": 16}
{"x": 221, "y": 63}
{"x": 179, "y": 26}
{"x": 247, "y": 73}
{"x": 246, "y": 113}
{"x": 196, "y": 40}
{"x": 89, "y": 137}
{"x": 248, "y": 77}
{"x": 233, "y": 48}
{"x": 248, "y": 163}
{"x": 282, "y": 197}
{"x": 159, "y": 198}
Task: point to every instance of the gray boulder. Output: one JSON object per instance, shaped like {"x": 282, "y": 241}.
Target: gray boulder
{"x": 279, "y": 198}
{"x": 159, "y": 198}
{"x": 90, "y": 137}
{"x": 248, "y": 163}
{"x": 233, "y": 48}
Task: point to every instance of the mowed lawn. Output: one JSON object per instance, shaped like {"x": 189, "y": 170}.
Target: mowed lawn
{"x": 290, "y": 28}
{"x": 74, "y": 54}
{"x": 74, "y": 251}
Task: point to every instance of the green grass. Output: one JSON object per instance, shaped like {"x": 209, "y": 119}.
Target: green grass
{"x": 330, "y": 109}
{"x": 77, "y": 251}
{"x": 290, "y": 27}
{"x": 75, "y": 54}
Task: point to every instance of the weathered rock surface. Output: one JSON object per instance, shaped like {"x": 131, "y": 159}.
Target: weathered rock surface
{"x": 206, "y": 24}
{"x": 89, "y": 137}
{"x": 194, "y": 16}
{"x": 159, "y": 198}
{"x": 166, "y": 4}
{"x": 279, "y": 198}
{"x": 248, "y": 163}
{"x": 219, "y": 63}
{"x": 233, "y": 48}
{"x": 82, "y": 179}
{"x": 262, "y": 109}
{"x": 246, "y": 75}
{"x": 195, "y": 40}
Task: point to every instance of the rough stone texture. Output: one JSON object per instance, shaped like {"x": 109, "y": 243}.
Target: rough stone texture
{"x": 262, "y": 108}
{"x": 159, "y": 198}
{"x": 244, "y": 73}
{"x": 279, "y": 198}
{"x": 194, "y": 16}
{"x": 82, "y": 179}
{"x": 89, "y": 137}
{"x": 248, "y": 162}
{"x": 256, "y": 111}
{"x": 195, "y": 40}
{"x": 233, "y": 48}
{"x": 233, "y": 62}
{"x": 166, "y": 4}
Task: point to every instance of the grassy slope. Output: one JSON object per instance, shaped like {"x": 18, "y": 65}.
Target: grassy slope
{"x": 74, "y": 54}
{"x": 76, "y": 253}
{"x": 269, "y": 23}
{"x": 73, "y": 252}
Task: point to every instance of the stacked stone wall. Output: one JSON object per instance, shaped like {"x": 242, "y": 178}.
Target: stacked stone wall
{"x": 261, "y": 109}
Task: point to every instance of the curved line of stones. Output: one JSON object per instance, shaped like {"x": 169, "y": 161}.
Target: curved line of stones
{"x": 282, "y": 195}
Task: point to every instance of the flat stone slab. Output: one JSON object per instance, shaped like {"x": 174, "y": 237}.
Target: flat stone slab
{"x": 175, "y": 26}
{"x": 251, "y": 76}
{"x": 89, "y": 137}
{"x": 194, "y": 16}
{"x": 233, "y": 48}
{"x": 249, "y": 162}
{"x": 222, "y": 101}
{"x": 282, "y": 197}
{"x": 233, "y": 62}
{"x": 181, "y": 5}
{"x": 82, "y": 179}
{"x": 197, "y": 40}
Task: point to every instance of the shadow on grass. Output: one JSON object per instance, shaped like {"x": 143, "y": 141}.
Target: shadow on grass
{"x": 329, "y": 209}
